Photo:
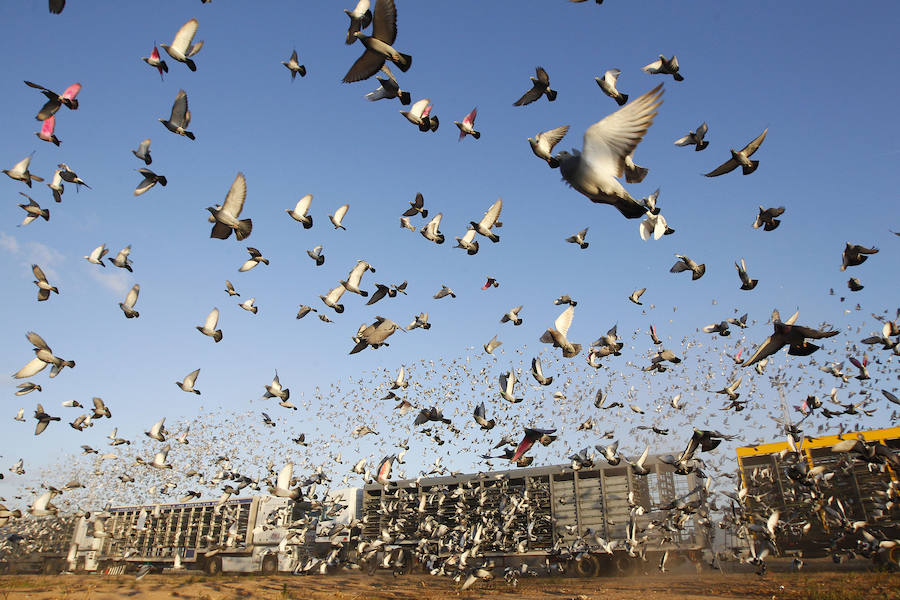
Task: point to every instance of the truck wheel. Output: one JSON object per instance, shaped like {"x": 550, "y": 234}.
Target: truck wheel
{"x": 214, "y": 565}
{"x": 269, "y": 565}
{"x": 587, "y": 567}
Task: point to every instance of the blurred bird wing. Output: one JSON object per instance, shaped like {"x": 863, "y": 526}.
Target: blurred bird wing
{"x": 34, "y": 366}
{"x": 184, "y": 36}
{"x": 234, "y": 200}
{"x": 470, "y": 118}
{"x": 553, "y": 136}
{"x": 653, "y": 67}
{"x": 610, "y": 140}
{"x": 212, "y": 320}
{"x": 340, "y": 212}
{"x": 48, "y": 126}
{"x": 132, "y": 297}
{"x": 701, "y": 131}
{"x": 770, "y": 346}
{"x": 284, "y": 477}
{"x": 564, "y": 320}
{"x": 303, "y": 204}
{"x": 72, "y": 91}
{"x": 37, "y": 341}
{"x": 793, "y": 318}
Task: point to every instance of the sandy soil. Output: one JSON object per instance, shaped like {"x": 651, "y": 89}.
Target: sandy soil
{"x": 708, "y": 586}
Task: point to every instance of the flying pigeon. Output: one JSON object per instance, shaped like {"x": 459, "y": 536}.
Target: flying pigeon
{"x": 513, "y": 315}
{"x": 225, "y": 218}
{"x": 635, "y": 296}
{"x": 130, "y": 300}
{"x": 378, "y": 45}
{"x": 537, "y": 372}
{"x": 467, "y": 127}
{"x": 855, "y": 255}
{"x": 256, "y": 257}
{"x": 695, "y": 138}
{"x": 431, "y": 233}
{"x": 608, "y": 84}
{"x": 189, "y": 380}
{"x": 182, "y": 48}
{"x": 741, "y": 158}
{"x": 54, "y": 100}
{"x": 594, "y": 170}
{"x": 389, "y": 88}
{"x": 33, "y": 210}
{"x": 766, "y": 218}
{"x": 686, "y": 264}
{"x": 419, "y": 115}
{"x": 543, "y": 143}
{"x": 154, "y": 60}
{"x": 97, "y": 254}
{"x": 293, "y": 65}
{"x": 316, "y": 255}
{"x": 578, "y": 238}
{"x": 786, "y": 333}
{"x": 483, "y": 422}
{"x": 556, "y": 335}
{"x": 150, "y": 179}
{"x": 489, "y": 220}
{"x": 143, "y": 152}
{"x": 664, "y": 66}
{"x": 540, "y": 86}
{"x": 20, "y": 171}
{"x": 180, "y": 117}
{"x": 531, "y": 436}
{"x": 209, "y": 327}
{"x": 746, "y": 282}
{"x": 46, "y": 132}
{"x": 337, "y": 218}
{"x": 299, "y": 212}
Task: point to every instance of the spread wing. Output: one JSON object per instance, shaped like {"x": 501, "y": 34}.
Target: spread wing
{"x": 554, "y": 136}
{"x": 365, "y": 66}
{"x": 564, "y": 320}
{"x": 726, "y": 167}
{"x": 38, "y": 273}
{"x": 303, "y": 204}
{"x": 493, "y": 213}
{"x": 773, "y": 344}
{"x": 234, "y": 200}
{"x": 284, "y": 477}
{"x": 179, "y": 109}
{"x": 609, "y": 141}
{"x": 753, "y": 146}
{"x": 384, "y": 22}
{"x": 37, "y": 341}
{"x": 212, "y": 320}
{"x": 132, "y": 297}
{"x": 185, "y": 36}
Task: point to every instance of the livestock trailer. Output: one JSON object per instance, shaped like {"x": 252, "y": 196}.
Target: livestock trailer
{"x": 567, "y": 510}
{"x": 849, "y": 489}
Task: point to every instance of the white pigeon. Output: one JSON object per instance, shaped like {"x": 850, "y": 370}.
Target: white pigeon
{"x": 182, "y": 48}
{"x": 299, "y": 211}
{"x": 338, "y": 217}
{"x": 189, "y": 380}
{"x": 130, "y": 300}
{"x": 542, "y": 144}
{"x": 97, "y": 254}
{"x": 556, "y": 335}
{"x": 594, "y": 170}
{"x": 209, "y": 328}
{"x": 283, "y": 484}
{"x": 248, "y": 305}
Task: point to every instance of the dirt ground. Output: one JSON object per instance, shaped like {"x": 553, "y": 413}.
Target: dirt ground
{"x": 805, "y": 585}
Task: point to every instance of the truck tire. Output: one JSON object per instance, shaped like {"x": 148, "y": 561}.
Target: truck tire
{"x": 269, "y": 565}
{"x": 587, "y": 566}
{"x": 214, "y": 566}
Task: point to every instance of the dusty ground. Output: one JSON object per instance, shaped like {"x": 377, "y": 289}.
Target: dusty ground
{"x": 812, "y": 585}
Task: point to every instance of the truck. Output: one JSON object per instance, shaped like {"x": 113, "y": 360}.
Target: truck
{"x": 264, "y": 534}
{"x": 819, "y": 490}
{"x": 568, "y": 507}
{"x": 37, "y": 545}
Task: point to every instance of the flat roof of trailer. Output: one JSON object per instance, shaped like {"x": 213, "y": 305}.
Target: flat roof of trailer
{"x": 870, "y": 435}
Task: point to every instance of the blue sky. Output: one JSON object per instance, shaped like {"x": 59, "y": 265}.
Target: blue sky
{"x": 815, "y": 79}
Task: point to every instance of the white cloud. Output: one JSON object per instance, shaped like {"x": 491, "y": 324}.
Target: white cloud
{"x": 33, "y": 253}
{"x": 9, "y": 243}
{"x": 114, "y": 280}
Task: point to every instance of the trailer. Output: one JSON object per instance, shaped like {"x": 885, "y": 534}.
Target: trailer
{"x": 237, "y": 535}
{"x": 37, "y": 545}
{"x": 567, "y": 509}
{"x": 852, "y": 491}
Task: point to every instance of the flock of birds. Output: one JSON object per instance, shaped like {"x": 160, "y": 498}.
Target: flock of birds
{"x": 574, "y": 396}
